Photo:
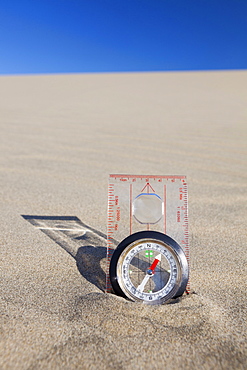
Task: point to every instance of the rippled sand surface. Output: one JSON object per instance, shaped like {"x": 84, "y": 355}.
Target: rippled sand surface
{"x": 61, "y": 135}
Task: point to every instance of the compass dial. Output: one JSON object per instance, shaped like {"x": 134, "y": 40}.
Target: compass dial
{"x": 149, "y": 266}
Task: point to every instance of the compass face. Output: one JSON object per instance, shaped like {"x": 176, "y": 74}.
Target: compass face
{"x": 148, "y": 266}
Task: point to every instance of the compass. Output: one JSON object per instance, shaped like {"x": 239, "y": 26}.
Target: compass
{"x": 149, "y": 266}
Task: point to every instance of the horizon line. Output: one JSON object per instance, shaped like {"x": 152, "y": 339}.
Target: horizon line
{"x": 121, "y": 72}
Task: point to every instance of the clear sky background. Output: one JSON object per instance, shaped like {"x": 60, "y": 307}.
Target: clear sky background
{"x": 78, "y": 36}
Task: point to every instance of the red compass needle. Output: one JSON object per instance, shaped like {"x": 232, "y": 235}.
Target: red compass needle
{"x": 155, "y": 263}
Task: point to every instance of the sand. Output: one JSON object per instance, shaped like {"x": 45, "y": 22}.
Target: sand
{"x": 61, "y": 135}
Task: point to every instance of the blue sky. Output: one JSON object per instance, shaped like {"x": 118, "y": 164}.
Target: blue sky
{"x": 80, "y": 36}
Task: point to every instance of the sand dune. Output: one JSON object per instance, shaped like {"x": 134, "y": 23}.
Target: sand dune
{"x": 61, "y": 135}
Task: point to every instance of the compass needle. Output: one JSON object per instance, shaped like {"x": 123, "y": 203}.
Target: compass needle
{"x": 155, "y": 262}
{"x": 150, "y": 273}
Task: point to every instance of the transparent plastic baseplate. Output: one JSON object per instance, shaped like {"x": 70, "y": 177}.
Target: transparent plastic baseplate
{"x": 146, "y": 202}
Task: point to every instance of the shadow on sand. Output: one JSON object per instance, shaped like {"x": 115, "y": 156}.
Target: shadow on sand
{"x": 85, "y": 244}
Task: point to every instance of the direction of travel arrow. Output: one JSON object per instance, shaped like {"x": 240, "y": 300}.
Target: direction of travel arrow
{"x": 148, "y": 186}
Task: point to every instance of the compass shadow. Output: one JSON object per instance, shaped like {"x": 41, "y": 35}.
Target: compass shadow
{"x": 85, "y": 244}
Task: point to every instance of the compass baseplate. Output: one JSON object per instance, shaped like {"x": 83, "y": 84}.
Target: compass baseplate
{"x": 128, "y": 195}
